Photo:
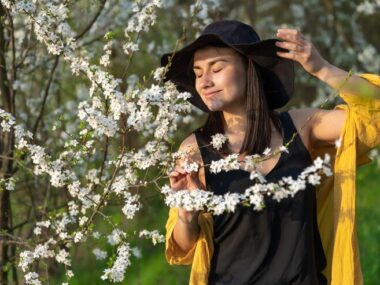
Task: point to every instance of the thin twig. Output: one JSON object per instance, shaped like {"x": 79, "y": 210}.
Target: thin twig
{"x": 92, "y": 22}
{"x": 39, "y": 118}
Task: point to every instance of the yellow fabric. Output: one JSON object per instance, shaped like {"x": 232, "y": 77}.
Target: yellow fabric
{"x": 200, "y": 255}
{"x": 360, "y": 133}
{"x": 335, "y": 200}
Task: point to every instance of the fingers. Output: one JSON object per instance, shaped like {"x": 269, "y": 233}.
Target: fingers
{"x": 179, "y": 180}
{"x": 175, "y": 176}
{"x": 290, "y": 35}
{"x": 298, "y": 48}
{"x": 293, "y": 46}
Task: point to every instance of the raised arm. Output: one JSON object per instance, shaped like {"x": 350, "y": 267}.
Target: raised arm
{"x": 325, "y": 125}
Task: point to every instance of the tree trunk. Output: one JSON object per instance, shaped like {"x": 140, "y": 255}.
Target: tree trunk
{"x": 6, "y": 151}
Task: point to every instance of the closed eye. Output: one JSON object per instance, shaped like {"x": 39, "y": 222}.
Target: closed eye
{"x": 216, "y": 70}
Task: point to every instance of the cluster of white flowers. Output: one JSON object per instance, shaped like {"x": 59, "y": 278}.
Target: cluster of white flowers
{"x": 116, "y": 237}
{"x": 368, "y": 57}
{"x": 164, "y": 99}
{"x": 225, "y": 164}
{"x": 155, "y": 236}
{"x": 131, "y": 205}
{"x": 105, "y": 59}
{"x": 37, "y": 229}
{"x": 63, "y": 257}
{"x": 251, "y": 162}
{"x": 201, "y": 9}
{"x": 368, "y": 7}
{"x": 254, "y": 195}
{"x": 190, "y": 167}
{"x": 7, "y": 121}
{"x": 143, "y": 18}
{"x": 99, "y": 254}
{"x": 218, "y": 140}
{"x": 9, "y": 183}
{"x": 117, "y": 271}
{"x": 159, "y": 74}
{"x": 27, "y": 257}
{"x": 136, "y": 251}
{"x": 32, "y": 278}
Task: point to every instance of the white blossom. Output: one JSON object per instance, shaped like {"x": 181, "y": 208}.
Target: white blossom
{"x": 131, "y": 205}
{"x": 338, "y": 143}
{"x": 115, "y": 237}
{"x": 117, "y": 271}
{"x": 26, "y": 258}
{"x": 218, "y": 140}
{"x": 190, "y": 167}
{"x": 32, "y": 278}
{"x": 136, "y": 251}
{"x": 159, "y": 74}
{"x": 155, "y": 236}
{"x": 225, "y": 164}
{"x": 99, "y": 254}
{"x": 267, "y": 151}
{"x": 63, "y": 257}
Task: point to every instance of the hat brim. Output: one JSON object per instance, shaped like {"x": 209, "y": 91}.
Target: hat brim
{"x": 277, "y": 73}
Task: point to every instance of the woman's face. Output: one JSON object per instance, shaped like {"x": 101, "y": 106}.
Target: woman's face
{"x": 220, "y": 78}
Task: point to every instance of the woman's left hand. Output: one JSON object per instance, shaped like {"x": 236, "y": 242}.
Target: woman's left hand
{"x": 300, "y": 50}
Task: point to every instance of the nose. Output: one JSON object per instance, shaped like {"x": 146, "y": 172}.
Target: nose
{"x": 205, "y": 81}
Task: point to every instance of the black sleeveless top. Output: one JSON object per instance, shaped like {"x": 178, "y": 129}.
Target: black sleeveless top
{"x": 277, "y": 245}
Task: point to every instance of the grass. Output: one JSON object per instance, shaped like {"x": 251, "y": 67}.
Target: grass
{"x": 368, "y": 217}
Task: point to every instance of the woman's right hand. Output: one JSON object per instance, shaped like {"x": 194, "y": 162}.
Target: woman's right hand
{"x": 181, "y": 180}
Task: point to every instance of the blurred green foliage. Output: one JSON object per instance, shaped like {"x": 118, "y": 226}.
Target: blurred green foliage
{"x": 330, "y": 26}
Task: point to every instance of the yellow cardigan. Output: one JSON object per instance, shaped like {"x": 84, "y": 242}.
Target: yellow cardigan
{"x": 336, "y": 199}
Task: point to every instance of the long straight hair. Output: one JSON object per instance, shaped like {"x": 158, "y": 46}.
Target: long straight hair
{"x": 259, "y": 116}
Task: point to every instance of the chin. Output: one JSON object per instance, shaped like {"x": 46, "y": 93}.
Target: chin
{"x": 215, "y": 107}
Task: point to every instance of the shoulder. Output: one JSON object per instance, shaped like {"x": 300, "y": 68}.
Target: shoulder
{"x": 318, "y": 126}
{"x": 190, "y": 148}
{"x": 189, "y": 143}
{"x": 191, "y": 152}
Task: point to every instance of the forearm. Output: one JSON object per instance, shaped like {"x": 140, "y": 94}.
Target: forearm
{"x": 340, "y": 80}
{"x": 186, "y": 230}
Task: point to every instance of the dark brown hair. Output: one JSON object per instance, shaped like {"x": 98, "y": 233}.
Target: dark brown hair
{"x": 259, "y": 116}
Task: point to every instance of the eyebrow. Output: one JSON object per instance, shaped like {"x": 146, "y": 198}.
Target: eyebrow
{"x": 212, "y": 62}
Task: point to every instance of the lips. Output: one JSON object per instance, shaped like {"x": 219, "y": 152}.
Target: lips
{"x": 210, "y": 94}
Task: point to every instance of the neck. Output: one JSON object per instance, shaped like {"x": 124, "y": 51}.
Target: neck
{"x": 235, "y": 123}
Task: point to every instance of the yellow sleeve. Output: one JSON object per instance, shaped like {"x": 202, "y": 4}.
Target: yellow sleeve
{"x": 174, "y": 255}
{"x": 365, "y": 114}
{"x": 199, "y": 256}
{"x": 336, "y": 197}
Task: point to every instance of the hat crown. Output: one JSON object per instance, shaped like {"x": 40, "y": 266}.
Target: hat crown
{"x": 232, "y": 32}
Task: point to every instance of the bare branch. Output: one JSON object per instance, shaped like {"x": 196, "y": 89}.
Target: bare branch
{"x": 45, "y": 96}
{"x": 92, "y": 22}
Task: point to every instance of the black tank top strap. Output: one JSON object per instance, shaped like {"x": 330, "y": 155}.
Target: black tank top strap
{"x": 297, "y": 147}
{"x": 289, "y": 129}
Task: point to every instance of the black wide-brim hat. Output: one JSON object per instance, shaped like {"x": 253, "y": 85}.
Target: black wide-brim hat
{"x": 276, "y": 73}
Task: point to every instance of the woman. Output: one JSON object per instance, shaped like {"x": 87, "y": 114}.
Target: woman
{"x": 240, "y": 80}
